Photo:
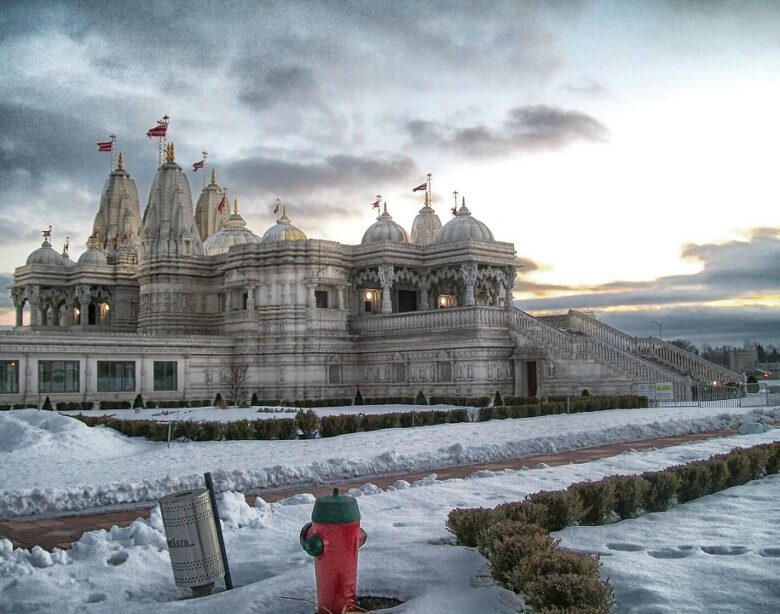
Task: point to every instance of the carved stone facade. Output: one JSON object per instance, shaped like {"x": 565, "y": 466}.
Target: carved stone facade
{"x": 310, "y": 319}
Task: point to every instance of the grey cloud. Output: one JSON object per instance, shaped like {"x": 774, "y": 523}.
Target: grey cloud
{"x": 14, "y": 231}
{"x": 285, "y": 177}
{"x": 700, "y": 325}
{"x": 586, "y": 87}
{"x": 526, "y": 128}
{"x": 6, "y": 279}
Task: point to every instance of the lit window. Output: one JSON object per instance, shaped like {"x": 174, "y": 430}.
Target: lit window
{"x": 9, "y": 376}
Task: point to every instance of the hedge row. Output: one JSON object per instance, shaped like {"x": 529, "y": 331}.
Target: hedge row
{"x": 562, "y": 406}
{"x": 513, "y": 536}
{"x": 309, "y": 422}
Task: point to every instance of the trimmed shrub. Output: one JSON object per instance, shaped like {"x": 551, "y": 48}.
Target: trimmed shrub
{"x": 597, "y": 499}
{"x": 630, "y": 492}
{"x": 498, "y": 399}
{"x": 468, "y": 525}
{"x": 739, "y": 468}
{"x": 420, "y": 399}
{"x": 138, "y": 402}
{"x": 663, "y": 487}
{"x": 759, "y": 457}
{"x": 307, "y": 422}
{"x": 47, "y": 404}
{"x": 563, "y": 508}
{"x": 719, "y": 474}
{"x": 694, "y": 482}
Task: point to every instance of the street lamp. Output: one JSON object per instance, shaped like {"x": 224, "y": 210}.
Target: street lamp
{"x": 660, "y": 329}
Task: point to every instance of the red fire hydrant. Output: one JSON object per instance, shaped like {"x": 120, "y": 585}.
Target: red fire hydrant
{"x": 333, "y": 537}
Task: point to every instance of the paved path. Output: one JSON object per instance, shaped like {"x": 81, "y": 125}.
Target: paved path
{"x": 61, "y": 532}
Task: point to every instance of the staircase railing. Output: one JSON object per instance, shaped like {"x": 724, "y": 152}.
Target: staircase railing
{"x": 652, "y": 348}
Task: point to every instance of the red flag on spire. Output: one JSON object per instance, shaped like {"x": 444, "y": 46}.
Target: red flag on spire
{"x": 375, "y": 205}
{"x": 221, "y": 205}
{"x": 422, "y": 186}
{"x": 455, "y": 211}
{"x": 197, "y": 165}
{"x": 276, "y": 210}
{"x": 159, "y": 130}
{"x": 105, "y": 146}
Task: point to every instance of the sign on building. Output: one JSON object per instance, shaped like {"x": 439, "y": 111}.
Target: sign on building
{"x": 664, "y": 391}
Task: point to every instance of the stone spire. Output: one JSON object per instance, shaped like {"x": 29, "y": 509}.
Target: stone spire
{"x": 427, "y": 225}
{"x": 208, "y": 218}
{"x": 119, "y": 216}
{"x": 169, "y": 228}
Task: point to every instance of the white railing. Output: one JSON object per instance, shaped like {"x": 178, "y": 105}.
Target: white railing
{"x": 654, "y": 349}
{"x": 438, "y": 319}
{"x": 565, "y": 345}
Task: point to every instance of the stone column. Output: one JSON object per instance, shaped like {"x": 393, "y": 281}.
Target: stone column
{"x": 340, "y": 297}
{"x": 511, "y": 274}
{"x": 386, "y": 278}
{"x": 83, "y": 296}
{"x": 69, "y": 311}
{"x": 18, "y": 300}
{"x": 250, "y": 298}
{"x": 34, "y": 296}
{"x": 469, "y": 273}
{"x": 312, "y": 299}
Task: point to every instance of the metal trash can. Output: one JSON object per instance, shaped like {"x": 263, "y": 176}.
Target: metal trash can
{"x": 191, "y": 534}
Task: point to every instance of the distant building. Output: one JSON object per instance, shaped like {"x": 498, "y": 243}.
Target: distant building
{"x": 168, "y": 305}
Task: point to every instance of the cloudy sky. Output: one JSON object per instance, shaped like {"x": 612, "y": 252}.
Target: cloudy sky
{"x": 628, "y": 149}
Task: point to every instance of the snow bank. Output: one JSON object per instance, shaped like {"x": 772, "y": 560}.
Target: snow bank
{"x": 409, "y": 555}
{"x": 98, "y": 467}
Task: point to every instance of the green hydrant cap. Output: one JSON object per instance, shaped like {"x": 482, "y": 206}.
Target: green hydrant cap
{"x": 335, "y": 509}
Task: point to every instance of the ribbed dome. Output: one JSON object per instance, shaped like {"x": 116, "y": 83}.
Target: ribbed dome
{"x": 233, "y": 232}
{"x": 426, "y": 226}
{"x": 385, "y": 229}
{"x": 93, "y": 257}
{"x": 464, "y": 227}
{"x": 45, "y": 256}
{"x": 284, "y": 230}
{"x": 66, "y": 259}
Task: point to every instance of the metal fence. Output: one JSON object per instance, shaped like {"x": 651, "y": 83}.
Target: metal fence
{"x": 718, "y": 395}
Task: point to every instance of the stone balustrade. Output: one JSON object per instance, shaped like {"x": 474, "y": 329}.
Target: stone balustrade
{"x": 654, "y": 349}
{"x": 437, "y": 319}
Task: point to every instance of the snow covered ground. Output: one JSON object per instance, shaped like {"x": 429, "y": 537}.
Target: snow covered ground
{"x": 229, "y": 414}
{"x": 50, "y": 463}
{"x": 728, "y": 541}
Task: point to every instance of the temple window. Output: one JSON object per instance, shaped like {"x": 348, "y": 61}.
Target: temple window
{"x": 321, "y": 299}
{"x": 105, "y": 310}
{"x": 115, "y": 376}
{"x": 164, "y": 375}
{"x": 58, "y": 376}
{"x": 446, "y": 301}
{"x": 9, "y": 376}
{"x": 371, "y": 298}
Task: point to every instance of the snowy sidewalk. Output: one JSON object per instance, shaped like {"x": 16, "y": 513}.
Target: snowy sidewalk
{"x": 52, "y": 532}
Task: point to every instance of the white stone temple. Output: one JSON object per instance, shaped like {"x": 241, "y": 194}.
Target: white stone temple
{"x": 170, "y": 304}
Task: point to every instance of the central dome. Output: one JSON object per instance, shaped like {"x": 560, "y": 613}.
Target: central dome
{"x": 464, "y": 227}
{"x": 385, "y": 229}
{"x": 284, "y": 230}
{"x": 45, "y": 255}
{"x": 233, "y": 232}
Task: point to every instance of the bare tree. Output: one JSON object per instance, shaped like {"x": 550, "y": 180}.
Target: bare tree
{"x": 234, "y": 380}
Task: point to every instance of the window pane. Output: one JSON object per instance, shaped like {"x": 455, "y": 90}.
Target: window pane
{"x": 116, "y": 376}
{"x": 9, "y": 376}
{"x": 58, "y": 376}
{"x": 165, "y": 375}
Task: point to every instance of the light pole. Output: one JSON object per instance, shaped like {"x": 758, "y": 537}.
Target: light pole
{"x": 660, "y": 329}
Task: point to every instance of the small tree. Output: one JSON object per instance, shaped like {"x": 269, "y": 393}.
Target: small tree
{"x": 358, "y": 398}
{"x": 234, "y": 379}
{"x": 498, "y": 400}
{"x": 421, "y": 400}
{"x": 219, "y": 401}
{"x": 139, "y": 402}
{"x": 47, "y": 404}
{"x": 255, "y": 400}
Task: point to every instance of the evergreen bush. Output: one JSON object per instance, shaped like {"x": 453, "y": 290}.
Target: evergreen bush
{"x": 138, "y": 402}
{"x": 47, "y": 404}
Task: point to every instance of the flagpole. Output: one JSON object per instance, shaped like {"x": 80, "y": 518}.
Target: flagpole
{"x": 111, "y": 162}
{"x": 205, "y": 153}
{"x": 430, "y": 194}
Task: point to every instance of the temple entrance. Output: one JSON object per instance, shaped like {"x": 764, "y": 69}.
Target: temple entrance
{"x": 530, "y": 377}
{"x": 407, "y": 301}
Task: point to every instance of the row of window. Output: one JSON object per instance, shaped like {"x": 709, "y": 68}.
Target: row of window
{"x": 63, "y": 376}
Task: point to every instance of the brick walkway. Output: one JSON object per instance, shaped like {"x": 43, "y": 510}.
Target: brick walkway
{"x": 61, "y": 532}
